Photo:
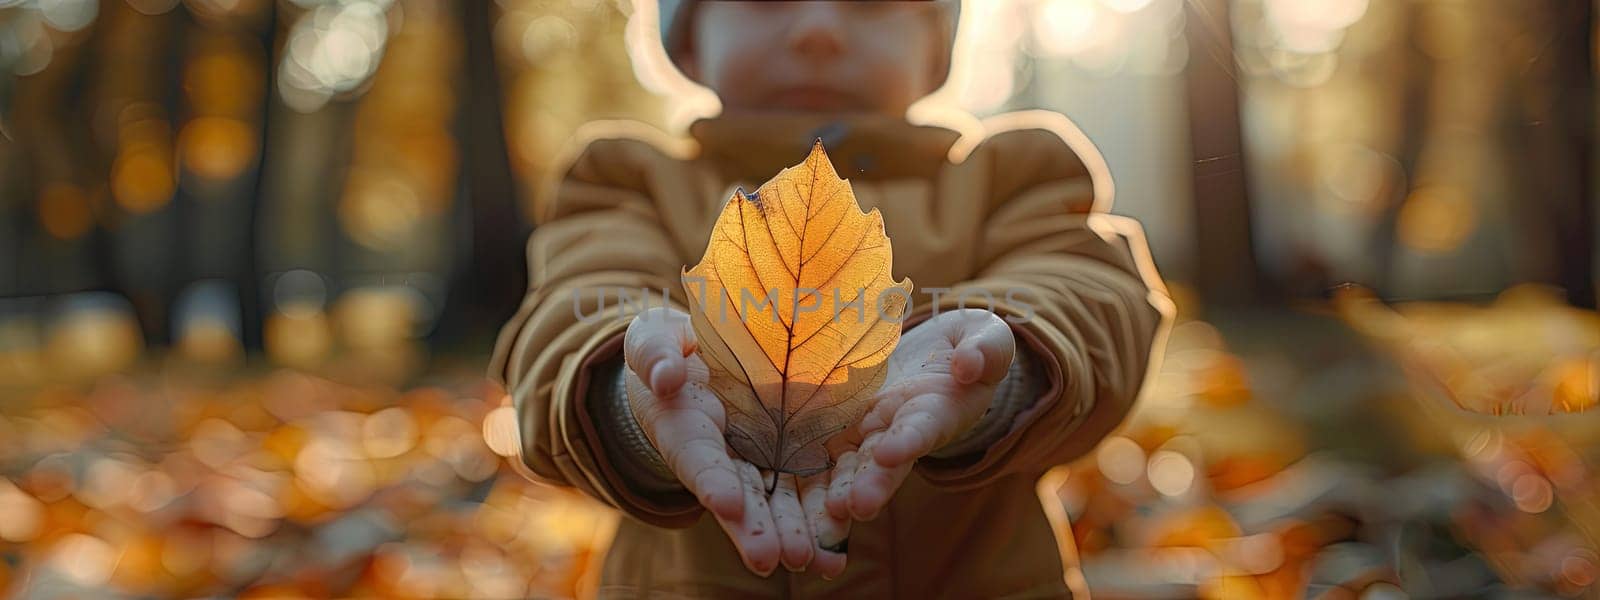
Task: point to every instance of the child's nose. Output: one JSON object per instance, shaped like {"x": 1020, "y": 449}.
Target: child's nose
{"x": 818, "y": 30}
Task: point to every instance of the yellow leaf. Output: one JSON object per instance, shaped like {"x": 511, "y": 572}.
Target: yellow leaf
{"x": 796, "y": 313}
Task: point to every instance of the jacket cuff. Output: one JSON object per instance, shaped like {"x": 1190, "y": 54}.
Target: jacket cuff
{"x": 626, "y": 444}
{"x": 588, "y": 447}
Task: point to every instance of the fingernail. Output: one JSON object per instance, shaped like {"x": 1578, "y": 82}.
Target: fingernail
{"x": 725, "y": 511}
{"x": 864, "y": 513}
{"x": 760, "y": 569}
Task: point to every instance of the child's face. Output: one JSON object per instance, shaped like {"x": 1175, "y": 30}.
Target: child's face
{"x": 832, "y": 56}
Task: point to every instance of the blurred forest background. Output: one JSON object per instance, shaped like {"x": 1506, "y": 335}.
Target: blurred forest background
{"x": 253, "y": 253}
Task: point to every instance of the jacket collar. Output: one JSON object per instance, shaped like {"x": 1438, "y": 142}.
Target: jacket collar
{"x": 755, "y": 146}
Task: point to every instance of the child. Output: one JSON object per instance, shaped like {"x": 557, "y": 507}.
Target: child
{"x": 933, "y": 492}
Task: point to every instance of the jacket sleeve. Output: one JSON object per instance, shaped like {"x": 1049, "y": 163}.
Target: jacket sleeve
{"x": 1078, "y": 288}
{"x": 600, "y": 229}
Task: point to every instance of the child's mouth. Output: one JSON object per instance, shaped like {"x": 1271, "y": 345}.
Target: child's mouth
{"x": 812, "y": 97}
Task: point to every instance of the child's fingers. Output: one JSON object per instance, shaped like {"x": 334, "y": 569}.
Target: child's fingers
{"x": 794, "y": 533}
{"x": 966, "y": 363}
{"x": 754, "y": 535}
{"x": 838, "y": 496}
{"x": 693, "y": 447}
{"x": 985, "y": 351}
{"x": 874, "y": 486}
{"x": 694, "y": 395}
{"x": 831, "y": 533}
{"x": 844, "y": 476}
{"x": 655, "y": 346}
{"x": 894, "y": 394}
{"x": 921, "y": 425}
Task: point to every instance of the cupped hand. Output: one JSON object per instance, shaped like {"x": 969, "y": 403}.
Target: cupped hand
{"x": 684, "y": 420}
{"x": 941, "y": 378}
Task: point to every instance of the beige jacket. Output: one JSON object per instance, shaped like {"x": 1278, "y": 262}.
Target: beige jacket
{"x": 1016, "y": 209}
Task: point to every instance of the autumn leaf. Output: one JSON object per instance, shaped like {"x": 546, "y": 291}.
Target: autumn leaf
{"x": 796, "y": 313}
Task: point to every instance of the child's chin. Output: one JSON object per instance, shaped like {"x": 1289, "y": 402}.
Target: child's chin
{"x": 789, "y": 109}
{"x": 812, "y": 99}
{"x": 819, "y": 105}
